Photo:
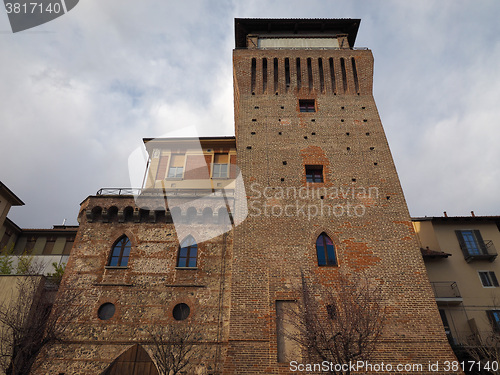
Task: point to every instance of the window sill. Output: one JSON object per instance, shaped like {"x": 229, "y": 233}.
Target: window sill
{"x": 174, "y": 178}
{"x": 186, "y": 268}
{"x": 115, "y": 267}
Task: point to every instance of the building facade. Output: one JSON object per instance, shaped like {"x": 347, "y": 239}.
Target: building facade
{"x": 43, "y": 246}
{"x": 460, "y": 257}
{"x": 321, "y": 199}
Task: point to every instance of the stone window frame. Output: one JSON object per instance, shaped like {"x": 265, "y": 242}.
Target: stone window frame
{"x": 327, "y": 259}
{"x": 192, "y": 244}
{"x": 121, "y": 245}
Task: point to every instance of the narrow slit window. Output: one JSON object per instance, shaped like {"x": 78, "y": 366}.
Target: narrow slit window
{"x": 287, "y": 73}
{"x": 264, "y": 74}
{"x": 321, "y": 75}
{"x": 310, "y": 73}
{"x": 344, "y": 74}
{"x": 276, "y": 74}
{"x": 299, "y": 78}
{"x": 355, "y": 74}
{"x": 332, "y": 75}
{"x": 254, "y": 74}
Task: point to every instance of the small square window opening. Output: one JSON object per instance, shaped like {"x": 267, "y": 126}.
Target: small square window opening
{"x": 307, "y": 105}
{"x": 314, "y": 173}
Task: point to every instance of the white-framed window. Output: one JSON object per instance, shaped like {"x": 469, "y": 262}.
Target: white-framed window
{"x": 220, "y": 167}
{"x": 176, "y": 168}
{"x": 488, "y": 279}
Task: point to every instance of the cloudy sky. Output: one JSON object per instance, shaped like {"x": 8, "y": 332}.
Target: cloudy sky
{"x": 79, "y": 93}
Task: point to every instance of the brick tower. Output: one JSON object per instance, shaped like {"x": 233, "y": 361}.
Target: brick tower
{"x": 323, "y": 199}
{"x": 316, "y": 163}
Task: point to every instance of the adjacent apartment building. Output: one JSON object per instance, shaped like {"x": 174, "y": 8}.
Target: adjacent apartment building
{"x": 44, "y": 246}
{"x": 460, "y": 257}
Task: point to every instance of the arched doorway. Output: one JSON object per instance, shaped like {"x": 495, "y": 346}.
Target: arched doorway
{"x": 135, "y": 361}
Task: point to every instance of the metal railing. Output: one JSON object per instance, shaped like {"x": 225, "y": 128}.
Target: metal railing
{"x": 119, "y": 191}
{"x": 445, "y": 289}
{"x": 486, "y": 251}
{"x": 148, "y": 192}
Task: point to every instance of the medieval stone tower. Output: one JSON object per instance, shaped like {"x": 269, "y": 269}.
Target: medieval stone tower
{"x": 323, "y": 202}
{"x": 317, "y": 168}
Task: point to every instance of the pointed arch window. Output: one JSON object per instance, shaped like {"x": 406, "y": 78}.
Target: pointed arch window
{"x": 188, "y": 252}
{"x": 120, "y": 253}
{"x": 325, "y": 251}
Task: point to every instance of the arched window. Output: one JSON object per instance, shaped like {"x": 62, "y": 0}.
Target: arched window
{"x": 188, "y": 251}
{"x": 121, "y": 252}
{"x": 325, "y": 251}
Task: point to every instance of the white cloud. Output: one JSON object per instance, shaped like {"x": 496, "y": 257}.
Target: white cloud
{"x": 78, "y": 94}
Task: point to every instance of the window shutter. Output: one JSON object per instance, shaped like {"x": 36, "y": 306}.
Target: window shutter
{"x": 480, "y": 241}
{"x": 484, "y": 278}
{"x": 490, "y": 316}
{"x": 461, "y": 241}
{"x": 493, "y": 278}
{"x": 492, "y": 320}
{"x": 162, "y": 168}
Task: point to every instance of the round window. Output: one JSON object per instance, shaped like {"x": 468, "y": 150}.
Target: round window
{"x": 106, "y": 311}
{"x": 181, "y": 311}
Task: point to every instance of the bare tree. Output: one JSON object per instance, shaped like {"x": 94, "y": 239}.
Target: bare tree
{"x": 176, "y": 348}
{"x": 344, "y": 327}
{"x": 31, "y": 319}
{"x": 481, "y": 350}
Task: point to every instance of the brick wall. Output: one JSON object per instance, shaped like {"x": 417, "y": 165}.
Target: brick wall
{"x": 144, "y": 293}
{"x": 360, "y": 205}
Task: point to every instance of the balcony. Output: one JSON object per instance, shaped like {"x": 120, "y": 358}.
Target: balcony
{"x": 446, "y": 292}
{"x": 486, "y": 251}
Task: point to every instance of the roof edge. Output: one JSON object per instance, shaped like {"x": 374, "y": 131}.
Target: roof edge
{"x": 245, "y": 26}
{"x": 13, "y": 198}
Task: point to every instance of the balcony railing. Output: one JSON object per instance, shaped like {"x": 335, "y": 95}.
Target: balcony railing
{"x": 486, "y": 252}
{"x": 119, "y": 191}
{"x": 173, "y": 192}
{"x": 468, "y": 338}
{"x": 447, "y": 292}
